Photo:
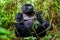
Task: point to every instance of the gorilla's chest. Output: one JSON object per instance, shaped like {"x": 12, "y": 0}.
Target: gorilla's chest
{"x": 26, "y": 17}
{"x": 28, "y": 20}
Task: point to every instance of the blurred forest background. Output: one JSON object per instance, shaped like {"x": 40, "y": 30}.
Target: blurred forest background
{"x": 9, "y": 8}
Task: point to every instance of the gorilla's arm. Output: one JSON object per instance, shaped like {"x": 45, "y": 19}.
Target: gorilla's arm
{"x": 18, "y": 17}
{"x": 39, "y": 17}
{"x": 18, "y": 25}
{"x": 22, "y": 31}
{"x": 44, "y": 24}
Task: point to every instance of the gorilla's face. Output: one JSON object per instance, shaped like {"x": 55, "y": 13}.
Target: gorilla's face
{"x": 28, "y": 9}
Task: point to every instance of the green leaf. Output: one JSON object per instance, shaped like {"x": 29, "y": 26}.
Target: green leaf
{"x": 48, "y": 36}
{"x": 58, "y": 14}
{"x": 36, "y": 23}
{"x": 4, "y": 37}
{"x": 4, "y": 31}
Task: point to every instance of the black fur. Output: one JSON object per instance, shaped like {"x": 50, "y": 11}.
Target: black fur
{"x": 23, "y": 31}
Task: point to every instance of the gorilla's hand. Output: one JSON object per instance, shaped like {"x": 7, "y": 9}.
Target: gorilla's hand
{"x": 39, "y": 16}
{"x": 45, "y": 24}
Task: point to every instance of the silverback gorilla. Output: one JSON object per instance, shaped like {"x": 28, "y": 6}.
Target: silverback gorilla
{"x": 25, "y": 21}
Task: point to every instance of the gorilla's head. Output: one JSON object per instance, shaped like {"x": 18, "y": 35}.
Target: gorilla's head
{"x": 28, "y": 9}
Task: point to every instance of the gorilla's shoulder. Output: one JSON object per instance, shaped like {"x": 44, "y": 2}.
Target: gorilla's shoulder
{"x": 19, "y": 14}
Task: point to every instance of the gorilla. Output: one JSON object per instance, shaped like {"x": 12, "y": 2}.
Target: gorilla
{"x": 25, "y": 20}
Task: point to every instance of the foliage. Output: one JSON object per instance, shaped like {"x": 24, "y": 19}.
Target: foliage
{"x": 9, "y": 8}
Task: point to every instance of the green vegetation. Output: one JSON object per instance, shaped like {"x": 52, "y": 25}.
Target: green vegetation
{"x": 9, "y": 8}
